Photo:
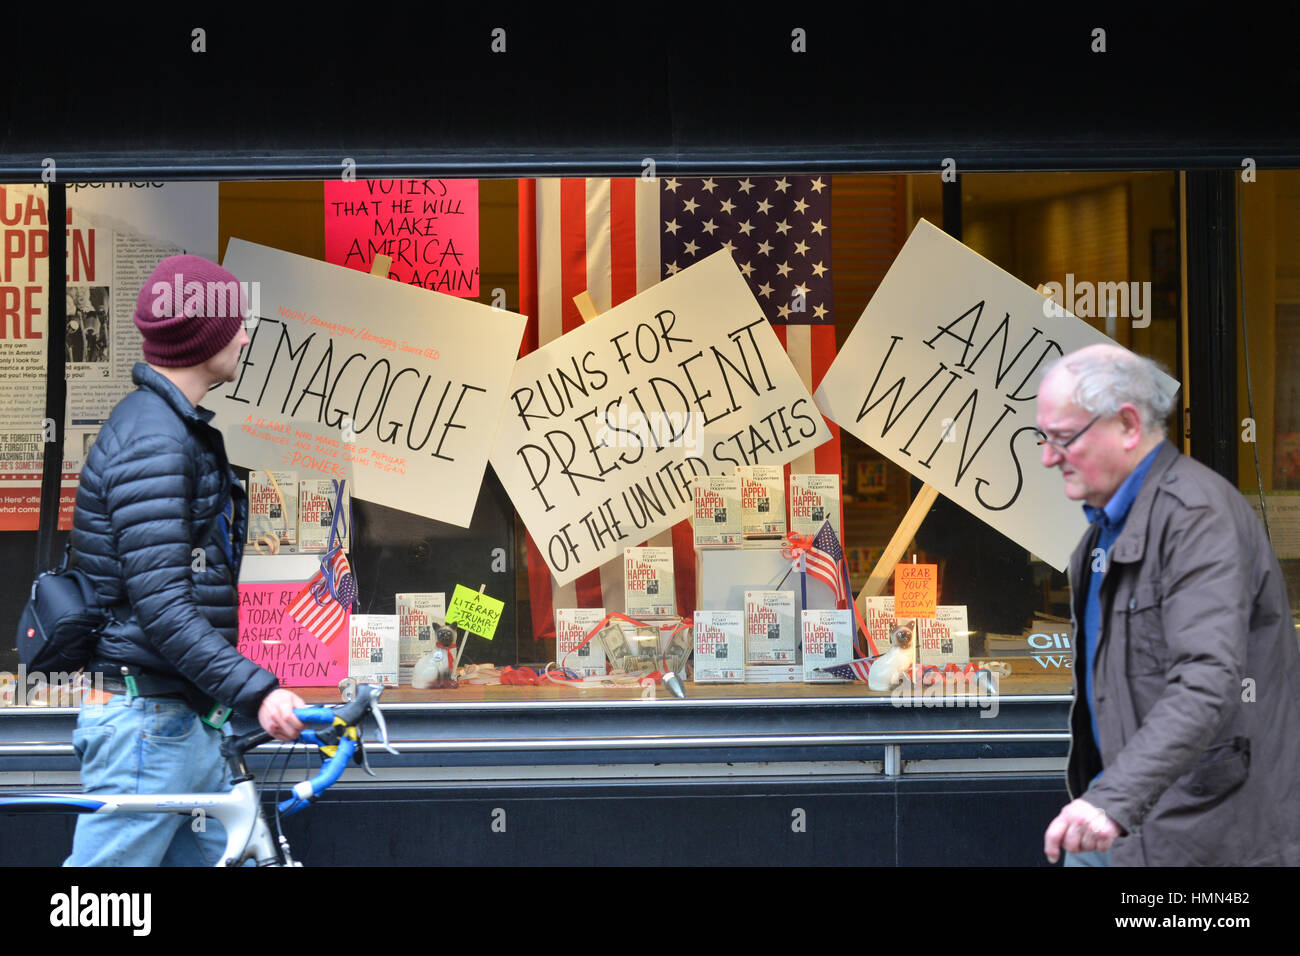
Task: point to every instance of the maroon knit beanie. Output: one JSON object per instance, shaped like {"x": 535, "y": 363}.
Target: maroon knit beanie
{"x": 188, "y": 311}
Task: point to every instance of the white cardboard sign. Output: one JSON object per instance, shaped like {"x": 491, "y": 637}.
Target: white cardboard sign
{"x": 353, "y": 376}
{"x": 940, "y": 375}
{"x": 605, "y": 427}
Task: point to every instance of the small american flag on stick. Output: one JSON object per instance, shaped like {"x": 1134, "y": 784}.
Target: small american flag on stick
{"x": 322, "y": 606}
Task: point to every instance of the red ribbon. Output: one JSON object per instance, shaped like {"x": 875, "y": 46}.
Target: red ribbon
{"x": 795, "y": 546}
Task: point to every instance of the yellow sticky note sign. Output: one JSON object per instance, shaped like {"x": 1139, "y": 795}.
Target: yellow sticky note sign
{"x": 475, "y": 612}
{"x": 916, "y": 590}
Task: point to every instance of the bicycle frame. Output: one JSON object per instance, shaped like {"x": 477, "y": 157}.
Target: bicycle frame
{"x": 247, "y": 835}
{"x": 239, "y": 811}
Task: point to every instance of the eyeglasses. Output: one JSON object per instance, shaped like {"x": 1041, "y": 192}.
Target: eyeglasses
{"x": 1062, "y": 444}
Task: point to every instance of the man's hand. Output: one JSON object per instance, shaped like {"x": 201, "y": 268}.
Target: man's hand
{"x": 276, "y": 714}
{"x": 1079, "y": 828}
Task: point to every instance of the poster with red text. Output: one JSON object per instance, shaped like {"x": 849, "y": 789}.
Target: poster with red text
{"x": 428, "y": 227}
{"x": 116, "y": 233}
{"x": 270, "y": 637}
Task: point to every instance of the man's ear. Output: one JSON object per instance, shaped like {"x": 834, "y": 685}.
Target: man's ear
{"x": 1130, "y": 420}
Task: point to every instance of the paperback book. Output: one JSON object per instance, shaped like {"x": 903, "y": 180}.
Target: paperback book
{"x": 273, "y": 510}
{"x": 814, "y": 499}
{"x": 762, "y": 500}
{"x": 944, "y": 640}
{"x": 572, "y": 625}
{"x": 418, "y": 615}
{"x": 771, "y": 634}
{"x": 717, "y": 511}
{"x": 316, "y": 500}
{"x": 648, "y": 582}
{"x": 827, "y": 640}
{"x": 719, "y": 647}
{"x": 373, "y": 649}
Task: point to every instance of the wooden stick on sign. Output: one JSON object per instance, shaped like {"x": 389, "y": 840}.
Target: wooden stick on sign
{"x": 903, "y": 534}
{"x": 586, "y": 305}
{"x": 381, "y": 265}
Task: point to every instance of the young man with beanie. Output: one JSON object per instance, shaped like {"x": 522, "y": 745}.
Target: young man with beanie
{"x": 159, "y": 526}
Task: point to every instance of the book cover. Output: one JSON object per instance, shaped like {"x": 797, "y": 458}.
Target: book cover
{"x": 316, "y": 499}
{"x": 716, "y": 512}
{"x": 771, "y": 635}
{"x": 827, "y": 640}
{"x": 813, "y": 500}
{"x": 944, "y": 640}
{"x": 372, "y": 648}
{"x": 878, "y": 615}
{"x": 418, "y": 614}
{"x": 272, "y": 510}
{"x": 719, "y": 646}
{"x": 773, "y": 673}
{"x": 572, "y": 625}
{"x": 648, "y": 582}
{"x": 762, "y": 501}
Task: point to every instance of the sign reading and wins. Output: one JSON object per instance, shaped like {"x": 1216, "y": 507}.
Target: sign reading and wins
{"x": 940, "y": 375}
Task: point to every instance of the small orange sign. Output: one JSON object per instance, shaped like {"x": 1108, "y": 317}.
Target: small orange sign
{"x": 916, "y": 590}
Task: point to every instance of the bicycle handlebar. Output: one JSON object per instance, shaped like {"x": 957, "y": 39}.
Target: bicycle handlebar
{"x": 307, "y": 790}
{"x": 346, "y": 716}
{"x": 345, "y": 739}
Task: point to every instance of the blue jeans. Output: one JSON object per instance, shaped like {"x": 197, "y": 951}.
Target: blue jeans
{"x": 147, "y": 745}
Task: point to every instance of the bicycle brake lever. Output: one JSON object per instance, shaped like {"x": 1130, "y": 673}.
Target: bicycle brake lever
{"x": 361, "y": 758}
{"x": 383, "y": 730}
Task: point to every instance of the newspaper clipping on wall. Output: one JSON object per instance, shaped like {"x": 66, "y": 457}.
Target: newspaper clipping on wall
{"x": 116, "y": 234}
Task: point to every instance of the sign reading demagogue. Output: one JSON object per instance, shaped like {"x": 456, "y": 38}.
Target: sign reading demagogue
{"x": 394, "y": 387}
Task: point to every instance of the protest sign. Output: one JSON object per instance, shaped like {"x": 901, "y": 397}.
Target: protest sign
{"x": 395, "y": 387}
{"x": 940, "y": 375}
{"x": 270, "y": 637}
{"x": 115, "y": 233}
{"x": 916, "y": 592}
{"x": 428, "y": 227}
{"x": 605, "y": 427}
{"x": 475, "y": 612}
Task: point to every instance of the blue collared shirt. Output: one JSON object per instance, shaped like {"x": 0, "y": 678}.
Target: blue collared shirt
{"x": 1111, "y": 518}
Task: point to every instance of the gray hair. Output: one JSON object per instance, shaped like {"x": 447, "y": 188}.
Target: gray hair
{"x": 1105, "y": 379}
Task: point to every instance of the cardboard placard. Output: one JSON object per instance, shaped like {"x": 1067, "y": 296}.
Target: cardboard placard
{"x": 916, "y": 590}
{"x": 940, "y": 375}
{"x": 395, "y": 387}
{"x": 475, "y": 612}
{"x": 269, "y": 637}
{"x": 428, "y": 227}
{"x": 606, "y": 426}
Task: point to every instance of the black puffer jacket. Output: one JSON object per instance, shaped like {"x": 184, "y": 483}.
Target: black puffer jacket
{"x": 154, "y": 482}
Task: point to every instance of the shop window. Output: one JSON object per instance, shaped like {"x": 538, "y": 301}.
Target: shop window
{"x": 1116, "y": 232}
{"x": 1268, "y": 420}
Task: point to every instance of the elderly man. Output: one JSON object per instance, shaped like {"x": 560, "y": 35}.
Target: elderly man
{"x": 1187, "y": 674}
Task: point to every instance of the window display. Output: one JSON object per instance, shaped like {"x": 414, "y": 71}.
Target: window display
{"x": 703, "y": 385}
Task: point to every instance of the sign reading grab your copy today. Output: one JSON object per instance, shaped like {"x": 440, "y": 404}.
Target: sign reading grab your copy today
{"x": 940, "y": 375}
{"x": 348, "y": 375}
{"x": 605, "y": 427}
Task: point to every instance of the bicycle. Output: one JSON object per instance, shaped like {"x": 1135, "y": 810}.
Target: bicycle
{"x": 240, "y": 810}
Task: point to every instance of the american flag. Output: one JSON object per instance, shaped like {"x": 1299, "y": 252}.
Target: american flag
{"x": 825, "y": 559}
{"x": 853, "y": 670}
{"x": 615, "y": 238}
{"x": 315, "y": 607}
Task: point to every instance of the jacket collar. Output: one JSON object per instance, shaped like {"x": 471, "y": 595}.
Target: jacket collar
{"x": 144, "y": 376}
{"x": 1131, "y": 544}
